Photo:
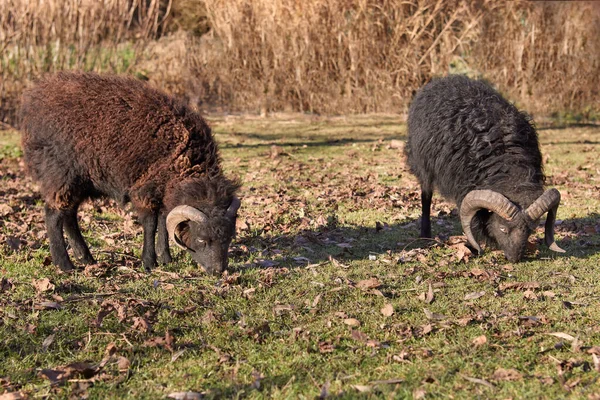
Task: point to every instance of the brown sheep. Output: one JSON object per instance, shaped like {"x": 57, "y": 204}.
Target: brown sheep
{"x": 87, "y": 135}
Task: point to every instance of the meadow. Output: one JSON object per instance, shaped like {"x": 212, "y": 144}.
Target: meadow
{"x": 330, "y": 293}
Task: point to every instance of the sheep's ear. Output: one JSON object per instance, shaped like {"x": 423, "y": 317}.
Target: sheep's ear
{"x": 233, "y": 207}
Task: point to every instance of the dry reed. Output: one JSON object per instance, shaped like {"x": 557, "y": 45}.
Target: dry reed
{"x": 322, "y": 56}
{"x": 334, "y": 56}
{"x": 38, "y": 36}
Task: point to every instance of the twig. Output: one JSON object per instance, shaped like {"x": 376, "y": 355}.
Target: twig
{"x": 118, "y": 253}
{"x": 90, "y": 296}
{"x": 125, "y": 339}
{"x": 427, "y": 239}
{"x": 5, "y": 126}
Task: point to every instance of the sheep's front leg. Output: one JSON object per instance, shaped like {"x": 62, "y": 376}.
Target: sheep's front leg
{"x": 162, "y": 241}
{"x": 426, "y": 196}
{"x": 149, "y": 221}
{"x": 58, "y": 247}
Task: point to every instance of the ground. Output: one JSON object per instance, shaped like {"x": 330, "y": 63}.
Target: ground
{"x": 330, "y": 292}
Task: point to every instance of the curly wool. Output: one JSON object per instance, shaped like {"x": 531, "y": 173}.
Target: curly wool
{"x": 87, "y": 135}
{"x": 463, "y": 135}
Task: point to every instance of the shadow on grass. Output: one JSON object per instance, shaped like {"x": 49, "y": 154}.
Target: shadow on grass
{"x": 568, "y": 126}
{"x": 267, "y": 385}
{"x": 270, "y": 140}
{"x": 580, "y": 237}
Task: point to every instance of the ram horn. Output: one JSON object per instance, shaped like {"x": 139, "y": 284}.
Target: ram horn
{"x": 181, "y": 214}
{"x": 546, "y": 203}
{"x": 484, "y": 199}
{"x": 233, "y": 207}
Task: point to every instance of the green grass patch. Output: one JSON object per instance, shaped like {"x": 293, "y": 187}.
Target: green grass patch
{"x": 330, "y": 291}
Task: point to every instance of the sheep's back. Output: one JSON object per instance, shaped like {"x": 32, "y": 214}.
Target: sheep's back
{"x": 112, "y": 128}
{"x": 463, "y": 135}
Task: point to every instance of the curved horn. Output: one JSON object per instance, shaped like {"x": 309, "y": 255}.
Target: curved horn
{"x": 181, "y": 214}
{"x": 546, "y": 203}
{"x": 475, "y": 200}
{"x": 233, "y": 207}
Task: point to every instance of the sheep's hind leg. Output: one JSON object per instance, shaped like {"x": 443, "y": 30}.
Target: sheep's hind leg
{"x": 76, "y": 240}
{"x": 58, "y": 248}
{"x": 426, "y": 196}
{"x": 162, "y": 241}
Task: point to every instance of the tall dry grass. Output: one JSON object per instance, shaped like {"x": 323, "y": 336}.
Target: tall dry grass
{"x": 336, "y": 56}
{"x": 323, "y": 56}
{"x": 38, "y": 36}
{"x": 545, "y": 54}
{"x": 327, "y": 56}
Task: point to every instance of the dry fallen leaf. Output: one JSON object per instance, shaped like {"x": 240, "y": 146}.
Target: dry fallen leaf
{"x": 433, "y": 316}
{"x": 12, "y": 396}
{"x": 5, "y": 209}
{"x": 186, "y": 396}
{"x": 248, "y": 293}
{"x": 360, "y": 336}
{"x": 596, "y": 361}
{"x": 47, "y": 342}
{"x": 370, "y": 283}
{"x": 427, "y": 329}
{"x": 474, "y": 295}
{"x": 427, "y": 297}
{"x": 462, "y": 252}
{"x": 480, "y": 340}
{"x": 396, "y": 144}
{"x": 478, "y": 381}
{"x": 387, "y": 310}
{"x": 110, "y": 350}
{"x": 268, "y": 263}
{"x": 326, "y": 347}
{"x": 123, "y": 364}
{"x": 42, "y": 285}
{"x": 362, "y": 388}
{"x": 387, "y": 381}
{"x": 352, "y": 322}
{"x": 140, "y": 324}
{"x": 316, "y": 300}
{"x": 509, "y": 374}
{"x": 280, "y": 308}
{"x": 61, "y": 374}
{"x": 47, "y": 305}
{"x": 530, "y": 295}
{"x": 209, "y": 317}
{"x": 562, "y": 336}
{"x": 571, "y": 383}
{"x": 519, "y": 285}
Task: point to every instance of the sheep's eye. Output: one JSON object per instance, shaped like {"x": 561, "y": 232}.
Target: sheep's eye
{"x": 503, "y": 229}
{"x": 201, "y": 242}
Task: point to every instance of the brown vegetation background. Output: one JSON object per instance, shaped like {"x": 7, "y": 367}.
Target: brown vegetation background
{"x": 321, "y": 56}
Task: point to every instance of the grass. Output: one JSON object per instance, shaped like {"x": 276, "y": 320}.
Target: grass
{"x": 328, "y": 205}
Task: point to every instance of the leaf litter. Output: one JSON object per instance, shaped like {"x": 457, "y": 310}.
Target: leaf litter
{"x": 274, "y": 235}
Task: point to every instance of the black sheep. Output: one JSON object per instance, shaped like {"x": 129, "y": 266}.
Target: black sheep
{"x": 87, "y": 135}
{"x": 477, "y": 149}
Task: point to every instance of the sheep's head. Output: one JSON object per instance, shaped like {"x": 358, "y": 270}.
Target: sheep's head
{"x": 510, "y": 235}
{"x": 205, "y": 237}
{"x": 508, "y": 225}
